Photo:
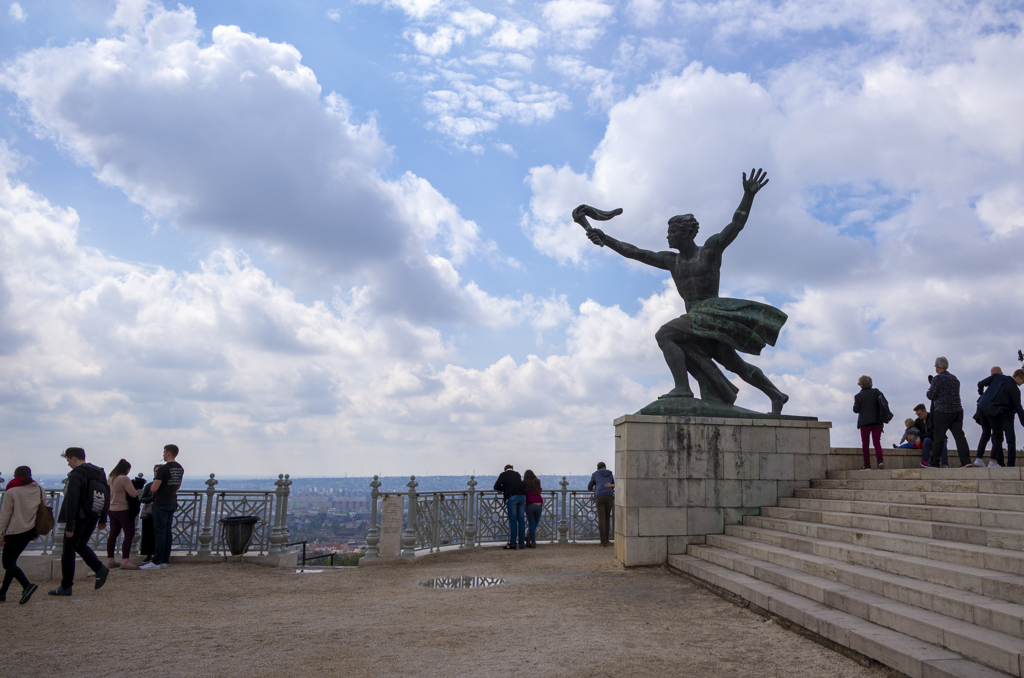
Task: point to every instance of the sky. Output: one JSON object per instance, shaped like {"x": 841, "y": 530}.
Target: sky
{"x": 334, "y": 237}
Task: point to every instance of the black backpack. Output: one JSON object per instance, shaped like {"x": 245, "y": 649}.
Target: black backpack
{"x": 96, "y": 498}
{"x": 884, "y": 413}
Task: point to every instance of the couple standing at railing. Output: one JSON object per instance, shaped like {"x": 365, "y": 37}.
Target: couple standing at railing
{"x": 525, "y": 503}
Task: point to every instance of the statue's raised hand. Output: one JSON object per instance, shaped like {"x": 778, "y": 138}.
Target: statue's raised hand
{"x": 596, "y": 236}
{"x": 756, "y": 181}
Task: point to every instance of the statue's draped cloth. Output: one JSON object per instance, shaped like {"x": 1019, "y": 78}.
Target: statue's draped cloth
{"x": 746, "y": 326}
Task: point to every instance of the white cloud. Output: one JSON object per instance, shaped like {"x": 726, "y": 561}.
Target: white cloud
{"x": 474, "y": 21}
{"x": 234, "y": 137}
{"x": 438, "y": 43}
{"x": 516, "y": 36}
{"x": 601, "y": 81}
{"x": 414, "y": 9}
{"x": 579, "y": 23}
{"x": 333, "y": 14}
{"x": 644, "y": 13}
{"x": 17, "y": 13}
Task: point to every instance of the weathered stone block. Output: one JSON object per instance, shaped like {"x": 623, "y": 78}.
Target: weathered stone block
{"x": 758, "y": 439}
{"x": 723, "y": 493}
{"x": 777, "y": 466}
{"x": 760, "y": 492}
{"x": 786, "y": 488}
{"x": 701, "y": 463}
{"x": 802, "y": 467}
{"x": 819, "y": 440}
{"x": 627, "y": 521}
{"x": 641, "y": 551}
{"x": 660, "y": 464}
{"x": 734, "y": 516}
{"x": 792, "y": 440}
{"x": 687, "y": 437}
{"x": 647, "y": 436}
{"x": 686, "y": 491}
{"x": 680, "y": 544}
{"x": 705, "y": 520}
{"x": 642, "y": 492}
{"x": 662, "y": 521}
{"x": 725, "y": 438}
{"x": 739, "y": 466}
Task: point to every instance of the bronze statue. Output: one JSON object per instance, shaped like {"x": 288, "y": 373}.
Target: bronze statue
{"x": 713, "y": 329}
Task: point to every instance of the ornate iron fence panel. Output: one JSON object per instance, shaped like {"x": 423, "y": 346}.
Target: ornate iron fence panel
{"x": 547, "y": 528}
{"x": 188, "y": 522}
{"x": 440, "y": 519}
{"x": 581, "y": 515}
{"x": 244, "y": 503}
{"x": 491, "y": 517}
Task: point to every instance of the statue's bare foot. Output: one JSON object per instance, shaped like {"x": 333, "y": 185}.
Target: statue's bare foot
{"x": 778, "y": 402}
{"x": 678, "y": 392}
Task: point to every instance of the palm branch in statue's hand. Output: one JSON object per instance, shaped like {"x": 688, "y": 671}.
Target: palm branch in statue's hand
{"x": 580, "y": 214}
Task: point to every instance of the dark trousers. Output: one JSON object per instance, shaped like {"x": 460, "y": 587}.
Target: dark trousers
{"x": 1002, "y": 425}
{"x": 953, "y": 422}
{"x": 926, "y": 451}
{"x": 875, "y": 432}
{"x": 78, "y": 545}
{"x": 14, "y": 544}
{"x": 148, "y": 540}
{"x": 120, "y": 520}
{"x": 163, "y": 519}
{"x": 986, "y": 435}
{"x": 604, "y": 504}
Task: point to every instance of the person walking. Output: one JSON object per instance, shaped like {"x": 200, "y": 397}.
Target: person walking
{"x": 534, "y": 506}
{"x": 22, "y": 501}
{"x": 602, "y": 484}
{"x": 86, "y": 502}
{"x": 867, "y": 405}
{"x": 999, "y": 402}
{"x": 948, "y": 412}
{"x": 148, "y": 540}
{"x": 165, "y": 502}
{"x": 121, "y": 519}
{"x": 510, "y": 484}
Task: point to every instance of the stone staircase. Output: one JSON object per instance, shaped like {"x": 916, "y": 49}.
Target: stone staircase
{"x": 920, "y": 569}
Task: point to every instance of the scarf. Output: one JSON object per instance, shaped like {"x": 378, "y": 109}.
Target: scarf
{"x": 19, "y": 481}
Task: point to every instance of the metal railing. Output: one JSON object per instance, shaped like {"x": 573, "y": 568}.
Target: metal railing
{"x": 196, "y": 529}
{"x": 470, "y": 517}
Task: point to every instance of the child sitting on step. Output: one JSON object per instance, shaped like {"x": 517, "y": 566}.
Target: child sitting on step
{"x": 911, "y": 439}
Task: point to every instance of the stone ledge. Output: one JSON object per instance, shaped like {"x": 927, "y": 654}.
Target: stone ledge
{"x": 764, "y": 420}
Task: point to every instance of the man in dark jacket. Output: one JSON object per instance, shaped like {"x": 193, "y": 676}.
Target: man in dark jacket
{"x": 1000, "y": 400}
{"x": 925, "y": 424}
{"x": 81, "y": 511}
{"x": 510, "y": 483}
{"x": 602, "y": 484}
{"x": 944, "y": 393}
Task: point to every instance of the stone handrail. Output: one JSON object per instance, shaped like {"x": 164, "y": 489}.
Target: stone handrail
{"x": 196, "y": 529}
{"x": 467, "y": 518}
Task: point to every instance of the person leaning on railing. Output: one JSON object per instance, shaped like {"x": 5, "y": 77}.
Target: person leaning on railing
{"x": 602, "y": 484}
{"x": 534, "y": 506}
{"x": 22, "y": 501}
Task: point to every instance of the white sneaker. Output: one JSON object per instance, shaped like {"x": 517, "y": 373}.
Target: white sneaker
{"x": 979, "y": 462}
{"x": 149, "y": 566}
{"x": 992, "y": 464}
{"x": 162, "y": 566}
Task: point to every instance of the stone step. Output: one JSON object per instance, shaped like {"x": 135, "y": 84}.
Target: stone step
{"x": 999, "y": 560}
{"x": 971, "y": 534}
{"x": 919, "y": 473}
{"x": 919, "y": 485}
{"x": 975, "y": 608}
{"x": 994, "y": 649}
{"x": 942, "y": 514}
{"x": 914, "y": 657}
{"x": 998, "y": 585}
{"x": 992, "y": 502}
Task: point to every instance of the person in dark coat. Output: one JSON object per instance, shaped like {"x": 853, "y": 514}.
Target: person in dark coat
{"x": 510, "y": 484}
{"x": 924, "y": 423}
{"x": 869, "y": 419}
{"x": 948, "y": 413}
{"x": 79, "y": 522}
{"x": 999, "y": 402}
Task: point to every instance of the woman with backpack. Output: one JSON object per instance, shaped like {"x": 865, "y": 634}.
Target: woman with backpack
{"x": 22, "y": 502}
{"x": 871, "y": 409}
{"x": 120, "y": 515}
{"x": 534, "y": 506}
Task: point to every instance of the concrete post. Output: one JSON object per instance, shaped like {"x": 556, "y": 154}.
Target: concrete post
{"x": 276, "y": 535}
{"x": 469, "y": 540}
{"x": 563, "y": 526}
{"x": 409, "y": 537}
{"x": 373, "y": 534}
{"x": 287, "y": 485}
{"x": 206, "y": 536}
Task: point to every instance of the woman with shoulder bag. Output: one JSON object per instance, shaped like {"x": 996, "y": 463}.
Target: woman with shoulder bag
{"x": 867, "y": 405}
{"x": 22, "y": 502}
{"x": 534, "y": 506}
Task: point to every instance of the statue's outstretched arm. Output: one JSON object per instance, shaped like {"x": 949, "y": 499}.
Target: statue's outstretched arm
{"x": 663, "y": 260}
{"x": 751, "y": 186}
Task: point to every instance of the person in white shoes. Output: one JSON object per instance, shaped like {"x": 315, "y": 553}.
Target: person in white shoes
{"x": 165, "y": 501}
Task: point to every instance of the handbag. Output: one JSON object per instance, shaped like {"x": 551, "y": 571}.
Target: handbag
{"x": 44, "y": 516}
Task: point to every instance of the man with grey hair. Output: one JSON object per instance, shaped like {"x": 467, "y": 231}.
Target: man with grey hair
{"x": 948, "y": 412}
{"x": 999, "y": 402}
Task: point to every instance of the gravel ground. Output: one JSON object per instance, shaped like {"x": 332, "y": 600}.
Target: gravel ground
{"x": 564, "y": 611}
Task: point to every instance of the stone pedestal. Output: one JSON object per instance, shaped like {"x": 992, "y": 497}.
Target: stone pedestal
{"x": 679, "y": 478}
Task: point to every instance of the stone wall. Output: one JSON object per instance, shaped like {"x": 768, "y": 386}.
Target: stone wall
{"x": 679, "y": 478}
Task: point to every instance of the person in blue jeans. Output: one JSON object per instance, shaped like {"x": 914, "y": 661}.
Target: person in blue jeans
{"x": 165, "y": 501}
{"x": 510, "y": 484}
{"x": 534, "y": 506}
